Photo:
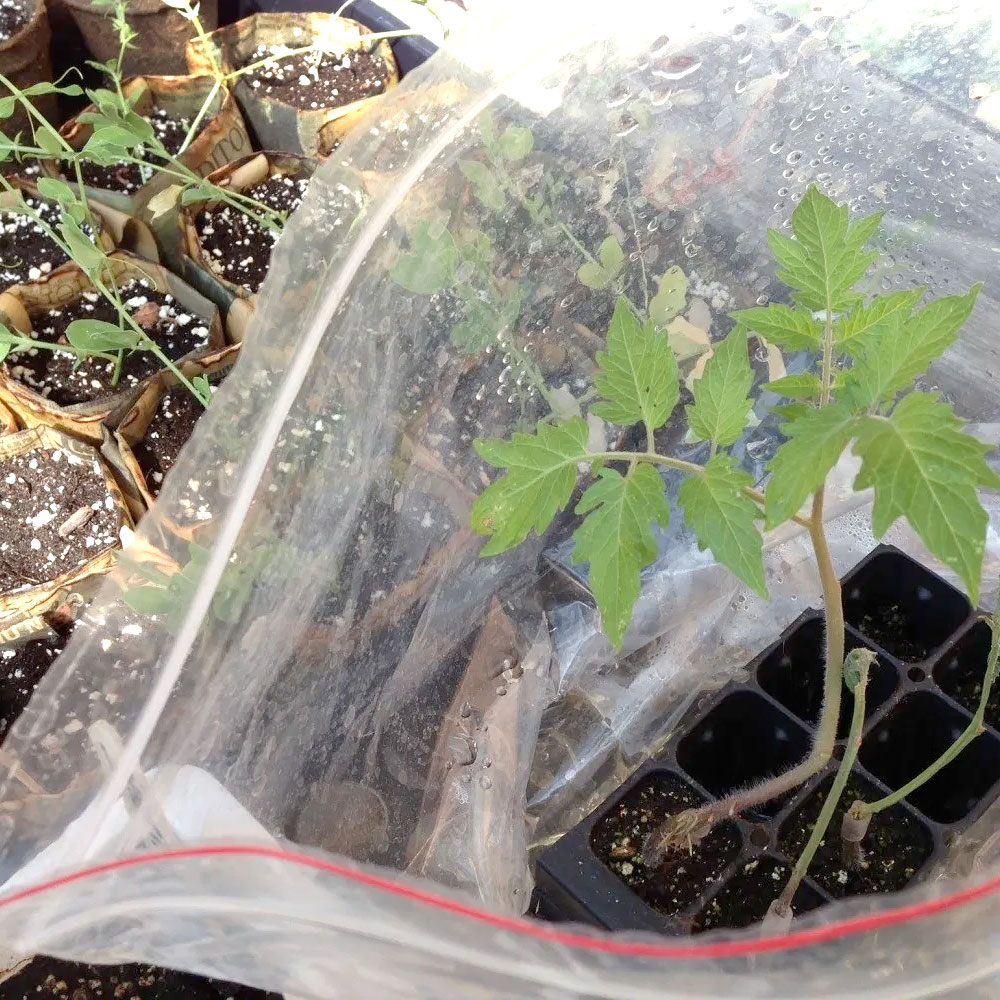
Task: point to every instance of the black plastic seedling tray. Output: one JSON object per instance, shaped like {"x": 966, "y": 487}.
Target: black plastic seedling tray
{"x": 932, "y": 650}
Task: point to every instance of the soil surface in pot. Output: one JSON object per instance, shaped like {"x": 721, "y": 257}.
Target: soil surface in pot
{"x": 54, "y": 979}
{"x": 41, "y": 491}
{"x": 168, "y": 431}
{"x": 888, "y": 625}
{"x": 22, "y": 666}
{"x": 238, "y": 247}
{"x": 14, "y": 15}
{"x": 58, "y": 376}
{"x": 896, "y": 846}
{"x": 618, "y": 837}
{"x": 129, "y": 177}
{"x": 744, "y": 899}
{"x": 315, "y": 79}
{"x": 26, "y": 252}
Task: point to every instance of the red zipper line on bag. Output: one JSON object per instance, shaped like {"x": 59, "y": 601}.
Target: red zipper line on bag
{"x": 538, "y": 931}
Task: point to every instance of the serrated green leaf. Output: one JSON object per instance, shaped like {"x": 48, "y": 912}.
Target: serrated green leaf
{"x": 637, "y": 376}
{"x": 670, "y": 297}
{"x": 617, "y": 541}
{"x": 97, "y": 335}
{"x": 431, "y": 266}
{"x": 720, "y": 408}
{"x": 804, "y": 386}
{"x": 790, "y": 411}
{"x": 791, "y": 328}
{"x": 825, "y": 259}
{"x": 612, "y": 256}
{"x": 890, "y": 361}
{"x": 816, "y": 440}
{"x": 515, "y": 143}
{"x": 540, "y": 479}
{"x": 723, "y": 519}
{"x": 850, "y": 331}
{"x": 149, "y": 600}
{"x": 484, "y": 185}
{"x": 593, "y": 275}
{"x": 925, "y": 469}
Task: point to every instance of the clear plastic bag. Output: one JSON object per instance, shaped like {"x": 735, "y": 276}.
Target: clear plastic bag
{"x": 312, "y": 774}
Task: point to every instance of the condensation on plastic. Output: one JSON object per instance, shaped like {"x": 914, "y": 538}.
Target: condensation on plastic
{"x": 338, "y": 793}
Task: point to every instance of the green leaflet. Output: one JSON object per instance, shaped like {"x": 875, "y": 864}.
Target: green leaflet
{"x": 617, "y": 541}
{"x": 638, "y": 373}
{"x": 826, "y": 258}
{"x": 430, "y": 267}
{"x": 850, "y": 331}
{"x": 723, "y": 519}
{"x": 791, "y": 328}
{"x": 890, "y": 360}
{"x": 540, "y": 478}
{"x": 815, "y": 442}
{"x": 804, "y": 386}
{"x": 720, "y": 408}
{"x": 671, "y": 294}
{"x": 484, "y": 185}
{"x": 925, "y": 469}
{"x": 603, "y": 273}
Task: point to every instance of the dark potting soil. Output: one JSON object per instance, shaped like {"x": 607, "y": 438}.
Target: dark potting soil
{"x": 26, "y": 252}
{"x": 313, "y": 80}
{"x": 168, "y": 431}
{"x": 129, "y": 177}
{"x": 41, "y": 490}
{"x": 240, "y": 249}
{"x": 14, "y": 15}
{"x": 895, "y": 847}
{"x": 746, "y": 896}
{"x": 960, "y": 673}
{"x": 618, "y": 837}
{"x": 22, "y": 666}
{"x": 55, "y": 979}
{"x": 888, "y": 625}
{"x": 58, "y": 376}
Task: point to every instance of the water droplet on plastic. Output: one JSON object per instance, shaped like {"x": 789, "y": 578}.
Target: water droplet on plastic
{"x": 793, "y": 157}
{"x": 782, "y": 25}
{"x": 762, "y": 300}
{"x": 618, "y": 96}
{"x": 659, "y": 96}
{"x": 485, "y": 781}
{"x": 676, "y": 67}
{"x": 487, "y": 762}
{"x": 626, "y": 124}
{"x": 466, "y": 710}
{"x": 501, "y": 691}
{"x": 776, "y": 147}
{"x": 739, "y": 32}
{"x": 691, "y": 250}
{"x": 462, "y": 748}
{"x": 822, "y": 26}
{"x": 659, "y": 47}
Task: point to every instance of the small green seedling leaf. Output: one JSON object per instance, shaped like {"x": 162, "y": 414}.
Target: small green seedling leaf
{"x": 816, "y": 440}
{"x": 857, "y": 663}
{"x": 612, "y": 256}
{"x": 804, "y": 386}
{"x": 617, "y": 541}
{"x": 96, "y": 335}
{"x": 637, "y": 377}
{"x": 515, "y": 143}
{"x": 8, "y": 342}
{"x": 84, "y": 252}
{"x": 48, "y": 140}
{"x": 203, "y": 389}
{"x": 7, "y": 106}
{"x": 148, "y": 600}
{"x": 431, "y": 266}
{"x": 540, "y": 479}
{"x": 723, "y": 519}
{"x": 57, "y": 190}
{"x": 827, "y": 257}
{"x": 890, "y": 362}
{"x": 721, "y": 405}
{"x": 853, "y": 331}
{"x": 603, "y": 273}
{"x": 924, "y": 468}
{"x": 670, "y": 297}
{"x": 485, "y": 186}
{"x": 792, "y": 328}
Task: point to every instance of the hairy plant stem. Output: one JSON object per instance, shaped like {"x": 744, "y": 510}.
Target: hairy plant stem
{"x": 783, "y": 904}
{"x": 863, "y": 811}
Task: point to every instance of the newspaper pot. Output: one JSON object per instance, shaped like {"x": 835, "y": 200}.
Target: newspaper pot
{"x": 24, "y": 60}
{"x": 197, "y": 264}
{"x": 931, "y": 649}
{"x": 162, "y": 33}
{"x": 222, "y": 138}
{"x": 87, "y": 420}
{"x": 116, "y": 229}
{"x": 51, "y": 451}
{"x": 276, "y": 123}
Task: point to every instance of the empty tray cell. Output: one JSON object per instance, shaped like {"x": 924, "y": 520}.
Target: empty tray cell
{"x": 793, "y": 674}
{"x": 914, "y": 734}
{"x": 618, "y": 836}
{"x": 897, "y": 845}
{"x": 902, "y": 606}
{"x": 742, "y": 741}
{"x": 960, "y": 672}
{"x": 747, "y": 894}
